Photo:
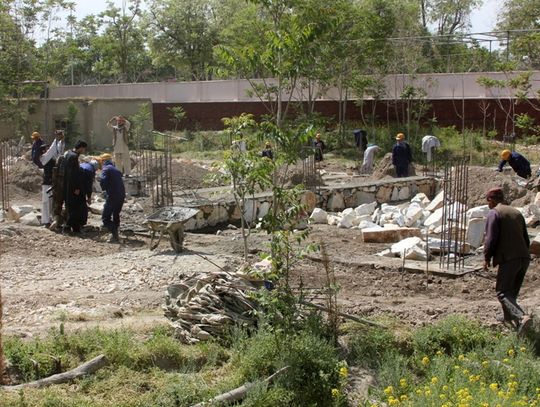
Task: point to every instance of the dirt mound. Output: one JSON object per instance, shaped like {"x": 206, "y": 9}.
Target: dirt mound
{"x": 385, "y": 168}
{"x": 25, "y": 175}
{"x": 481, "y": 179}
{"x": 190, "y": 175}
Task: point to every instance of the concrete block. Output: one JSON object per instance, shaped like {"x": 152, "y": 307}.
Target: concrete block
{"x": 97, "y": 208}
{"x": 478, "y": 212}
{"x": 358, "y": 219}
{"x": 413, "y": 214}
{"x": 437, "y": 202}
{"x": 264, "y": 207}
{"x": 405, "y": 244}
{"x": 363, "y": 197}
{"x": 395, "y": 194}
{"x": 386, "y": 253}
{"x": 475, "y": 232}
{"x": 366, "y": 209}
{"x": 404, "y": 193}
{"x": 346, "y": 222}
{"x": 336, "y": 203}
{"x": 385, "y": 208}
{"x": 377, "y": 235}
{"x": 535, "y": 246}
{"x": 16, "y": 212}
{"x": 435, "y": 219}
{"x": 347, "y": 212}
{"x": 383, "y": 194}
{"x": 318, "y": 216}
{"x": 421, "y": 199}
{"x": 333, "y": 220}
{"x": 218, "y": 215}
{"x": 366, "y": 224}
{"x": 30, "y": 219}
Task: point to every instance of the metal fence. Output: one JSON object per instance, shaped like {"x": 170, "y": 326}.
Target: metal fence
{"x": 8, "y": 153}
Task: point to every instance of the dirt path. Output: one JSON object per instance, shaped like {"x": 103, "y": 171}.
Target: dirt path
{"x": 48, "y": 278}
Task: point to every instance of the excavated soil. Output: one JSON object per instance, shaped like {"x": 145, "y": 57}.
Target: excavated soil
{"x": 481, "y": 179}
{"x": 384, "y": 168}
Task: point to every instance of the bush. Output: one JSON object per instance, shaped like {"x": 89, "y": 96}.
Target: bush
{"x": 369, "y": 345}
{"x": 455, "y": 334}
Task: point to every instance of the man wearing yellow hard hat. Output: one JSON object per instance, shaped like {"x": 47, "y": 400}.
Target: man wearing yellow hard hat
{"x": 37, "y": 142}
{"x": 519, "y": 164}
{"x": 401, "y": 156}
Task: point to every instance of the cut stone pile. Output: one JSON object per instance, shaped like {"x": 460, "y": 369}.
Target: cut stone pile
{"x": 205, "y": 305}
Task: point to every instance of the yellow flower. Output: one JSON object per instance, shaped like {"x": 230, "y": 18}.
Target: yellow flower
{"x": 402, "y": 382}
{"x": 389, "y": 390}
{"x": 425, "y": 361}
{"x": 512, "y": 376}
{"x": 427, "y": 392}
{"x": 439, "y": 353}
{"x": 465, "y": 372}
{"x": 461, "y": 357}
{"x": 335, "y": 393}
{"x": 434, "y": 380}
{"x": 494, "y": 386}
{"x": 393, "y": 402}
{"x": 523, "y": 349}
{"x": 445, "y": 388}
{"x": 506, "y": 360}
{"x": 442, "y": 396}
{"x": 484, "y": 405}
{"x": 344, "y": 372}
{"x": 403, "y": 397}
{"x": 511, "y": 352}
{"x": 485, "y": 363}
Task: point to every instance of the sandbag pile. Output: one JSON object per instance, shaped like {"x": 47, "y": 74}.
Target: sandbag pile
{"x": 204, "y": 306}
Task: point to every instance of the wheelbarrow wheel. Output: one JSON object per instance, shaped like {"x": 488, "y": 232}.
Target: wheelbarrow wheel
{"x": 176, "y": 237}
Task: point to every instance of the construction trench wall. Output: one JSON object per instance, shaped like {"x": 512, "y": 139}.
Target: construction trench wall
{"x": 222, "y": 211}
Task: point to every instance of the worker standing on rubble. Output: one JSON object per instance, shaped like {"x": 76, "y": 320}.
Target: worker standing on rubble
{"x": 401, "y": 156}
{"x": 507, "y": 246}
{"x": 73, "y": 187}
{"x": 519, "y": 164}
{"x": 112, "y": 184}
{"x": 49, "y": 161}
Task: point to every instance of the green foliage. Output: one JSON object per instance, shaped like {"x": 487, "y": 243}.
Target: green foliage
{"x": 455, "y": 334}
{"x": 370, "y": 345}
{"x": 72, "y": 130}
{"x": 139, "y": 123}
{"x": 178, "y": 114}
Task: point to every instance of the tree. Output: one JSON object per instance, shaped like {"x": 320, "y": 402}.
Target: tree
{"x": 523, "y": 46}
{"x": 183, "y": 36}
{"x": 450, "y": 16}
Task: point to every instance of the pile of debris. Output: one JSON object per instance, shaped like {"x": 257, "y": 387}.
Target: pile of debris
{"x": 204, "y": 306}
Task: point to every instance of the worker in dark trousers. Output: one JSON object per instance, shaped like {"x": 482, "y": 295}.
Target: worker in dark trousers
{"x": 113, "y": 185}
{"x": 519, "y": 164}
{"x": 401, "y": 156}
{"x": 507, "y": 246}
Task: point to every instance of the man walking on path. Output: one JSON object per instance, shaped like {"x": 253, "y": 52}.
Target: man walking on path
{"x": 507, "y": 246}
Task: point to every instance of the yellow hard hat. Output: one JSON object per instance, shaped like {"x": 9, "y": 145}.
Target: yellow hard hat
{"x": 35, "y": 135}
{"x": 400, "y": 136}
{"x": 505, "y": 154}
{"x": 105, "y": 157}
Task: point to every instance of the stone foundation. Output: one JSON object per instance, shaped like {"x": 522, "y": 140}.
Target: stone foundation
{"x": 329, "y": 198}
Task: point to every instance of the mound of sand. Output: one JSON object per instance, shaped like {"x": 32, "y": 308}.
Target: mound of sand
{"x": 26, "y": 176}
{"x": 481, "y": 179}
{"x": 385, "y": 168}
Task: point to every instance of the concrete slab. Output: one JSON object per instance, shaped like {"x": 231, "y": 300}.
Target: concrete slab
{"x": 372, "y": 235}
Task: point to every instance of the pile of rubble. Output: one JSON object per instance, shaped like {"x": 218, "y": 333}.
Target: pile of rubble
{"x": 206, "y": 305}
{"x": 406, "y": 224}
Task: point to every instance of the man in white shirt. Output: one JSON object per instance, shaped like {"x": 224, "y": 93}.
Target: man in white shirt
{"x": 48, "y": 160}
{"x": 120, "y": 127}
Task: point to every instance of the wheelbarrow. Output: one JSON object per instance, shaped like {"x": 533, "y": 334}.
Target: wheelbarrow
{"x": 169, "y": 220}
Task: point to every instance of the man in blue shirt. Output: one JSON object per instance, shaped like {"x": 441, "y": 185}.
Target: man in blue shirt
{"x": 519, "y": 164}
{"x": 113, "y": 185}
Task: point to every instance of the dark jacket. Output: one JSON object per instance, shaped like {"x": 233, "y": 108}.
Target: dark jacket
{"x": 72, "y": 173}
{"x": 519, "y": 164}
{"x": 268, "y": 153}
{"x": 401, "y": 154}
{"x": 36, "y": 152}
{"x": 88, "y": 174}
{"x": 112, "y": 183}
{"x": 48, "y": 172}
{"x": 506, "y": 236}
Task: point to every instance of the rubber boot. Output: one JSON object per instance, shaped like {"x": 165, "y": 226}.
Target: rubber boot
{"x": 114, "y": 237}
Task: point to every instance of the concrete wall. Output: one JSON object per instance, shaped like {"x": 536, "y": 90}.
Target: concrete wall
{"x": 333, "y": 199}
{"x": 91, "y": 118}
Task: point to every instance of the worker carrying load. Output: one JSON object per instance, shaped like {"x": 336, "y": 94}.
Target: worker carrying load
{"x": 519, "y": 164}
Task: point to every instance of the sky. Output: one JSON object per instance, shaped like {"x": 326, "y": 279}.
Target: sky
{"x": 483, "y": 19}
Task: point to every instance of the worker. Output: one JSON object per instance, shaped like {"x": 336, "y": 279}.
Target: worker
{"x": 319, "y": 147}
{"x": 113, "y": 186}
{"x": 120, "y": 128}
{"x": 73, "y": 187}
{"x": 49, "y": 161}
{"x": 401, "y": 156}
{"x": 88, "y": 174}
{"x": 360, "y": 140}
{"x": 507, "y": 245}
{"x": 37, "y": 142}
{"x": 519, "y": 164}
{"x": 369, "y": 158}
{"x": 429, "y": 144}
{"x": 267, "y": 152}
